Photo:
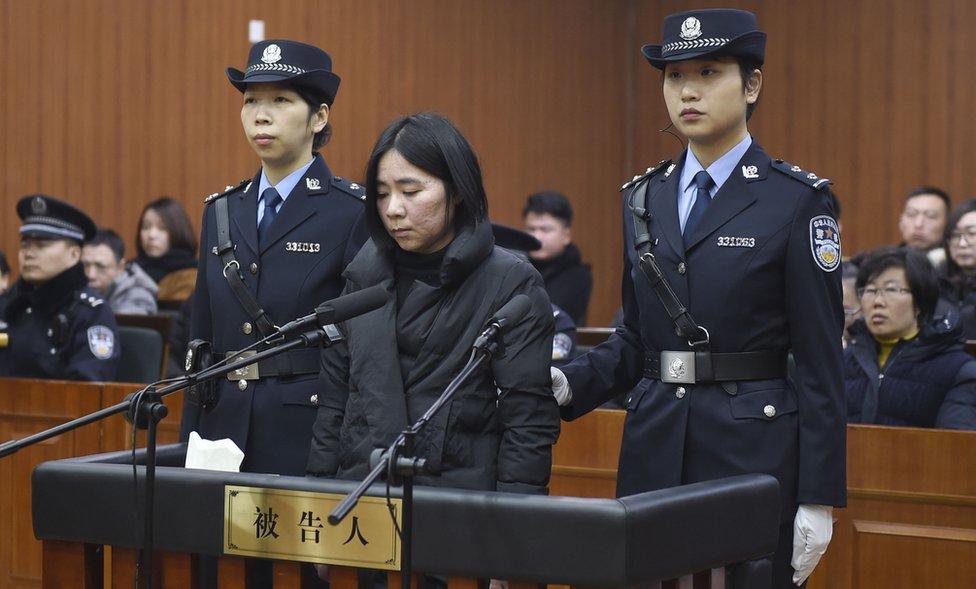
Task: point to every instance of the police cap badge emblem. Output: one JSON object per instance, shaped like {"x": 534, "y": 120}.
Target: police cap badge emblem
{"x": 271, "y": 54}
{"x": 690, "y": 28}
{"x": 38, "y": 205}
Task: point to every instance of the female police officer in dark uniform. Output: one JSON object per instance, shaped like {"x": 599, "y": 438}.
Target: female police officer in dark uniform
{"x": 749, "y": 245}
{"x": 271, "y": 249}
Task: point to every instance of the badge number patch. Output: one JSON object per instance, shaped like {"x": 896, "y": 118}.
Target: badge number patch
{"x": 825, "y": 242}
{"x": 101, "y": 341}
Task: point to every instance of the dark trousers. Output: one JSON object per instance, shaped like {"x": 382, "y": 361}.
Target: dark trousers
{"x": 774, "y": 573}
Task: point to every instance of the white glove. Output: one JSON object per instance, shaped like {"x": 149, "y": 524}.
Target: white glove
{"x": 812, "y": 529}
{"x": 560, "y": 387}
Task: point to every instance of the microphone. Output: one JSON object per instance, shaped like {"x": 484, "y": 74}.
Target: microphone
{"x": 339, "y": 309}
{"x": 511, "y": 313}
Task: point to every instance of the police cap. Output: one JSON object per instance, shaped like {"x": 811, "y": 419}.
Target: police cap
{"x": 45, "y": 216}
{"x": 290, "y": 62}
{"x": 699, "y": 33}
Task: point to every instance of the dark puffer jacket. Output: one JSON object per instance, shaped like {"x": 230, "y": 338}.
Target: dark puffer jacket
{"x": 929, "y": 381}
{"x": 485, "y": 439}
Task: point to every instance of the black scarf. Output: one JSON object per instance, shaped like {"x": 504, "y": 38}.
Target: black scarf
{"x": 171, "y": 261}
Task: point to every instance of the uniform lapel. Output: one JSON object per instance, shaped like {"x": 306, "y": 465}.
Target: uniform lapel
{"x": 735, "y": 195}
{"x": 664, "y": 204}
{"x": 245, "y": 214}
{"x": 299, "y": 206}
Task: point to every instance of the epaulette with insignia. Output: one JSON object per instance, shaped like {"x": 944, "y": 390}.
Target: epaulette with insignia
{"x": 349, "y": 187}
{"x": 649, "y": 172}
{"x": 228, "y": 190}
{"x": 798, "y": 173}
{"x": 90, "y": 300}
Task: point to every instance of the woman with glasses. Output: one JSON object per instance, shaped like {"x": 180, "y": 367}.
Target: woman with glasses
{"x": 957, "y": 279}
{"x": 906, "y": 365}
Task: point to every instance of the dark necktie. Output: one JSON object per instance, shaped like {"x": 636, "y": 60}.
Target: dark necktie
{"x": 271, "y": 199}
{"x": 703, "y": 181}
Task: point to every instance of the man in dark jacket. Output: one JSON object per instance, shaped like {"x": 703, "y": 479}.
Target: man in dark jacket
{"x": 548, "y": 217}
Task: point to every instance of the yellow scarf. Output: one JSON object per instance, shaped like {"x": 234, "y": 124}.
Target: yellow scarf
{"x": 886, "y": 345}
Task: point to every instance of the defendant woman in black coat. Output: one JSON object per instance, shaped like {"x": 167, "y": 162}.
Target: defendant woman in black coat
{"x": 432, "y": 249}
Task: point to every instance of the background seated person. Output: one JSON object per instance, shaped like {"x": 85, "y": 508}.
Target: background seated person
{"x": 57, "y": 326}
{"x": 4, "y": 273}
{"x": 548, "y": 216}
{"x": 167, "y": 247}
{"x": 957, "y": 279}
{"x": 923, "y": 222}
{"x": 903, "y": 365}
{"x": 431, "y": 248}
{"x": 521, "y": 243}
{"x": 127, "y": 289}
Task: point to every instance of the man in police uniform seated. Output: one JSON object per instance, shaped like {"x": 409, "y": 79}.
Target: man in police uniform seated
{"x": 731, "y": 262}
{"x": 55, "y": 325}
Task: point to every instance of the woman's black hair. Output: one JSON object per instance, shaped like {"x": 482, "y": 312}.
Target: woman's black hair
{"x": 432, "y": 143}
{"x": 919, "y": 274}
{"x": 315, "y": 100}
{"x": 953, "y": 273}
{"x": 177, "y": 223}
{"x": 4, "y": 266}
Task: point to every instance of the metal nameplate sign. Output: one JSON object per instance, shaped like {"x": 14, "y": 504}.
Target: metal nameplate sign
{"x": 291, "y": 525}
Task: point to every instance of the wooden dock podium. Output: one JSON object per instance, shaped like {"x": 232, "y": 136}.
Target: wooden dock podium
{"x": 625, "y": 542}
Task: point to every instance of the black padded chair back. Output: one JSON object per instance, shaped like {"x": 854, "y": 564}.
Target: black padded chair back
{"x": 141, "y": 352}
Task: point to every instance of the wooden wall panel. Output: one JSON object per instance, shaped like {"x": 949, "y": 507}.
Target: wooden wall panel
{"x": 115, "y": 102}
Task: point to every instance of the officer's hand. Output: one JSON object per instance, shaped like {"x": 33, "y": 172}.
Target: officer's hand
{"x": 812, "y": 529}
{"x": 560, "y": 387}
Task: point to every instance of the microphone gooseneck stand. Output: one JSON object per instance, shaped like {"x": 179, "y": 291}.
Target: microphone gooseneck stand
{"x": 145, "y": 409}
{"x": 398, "y": 461}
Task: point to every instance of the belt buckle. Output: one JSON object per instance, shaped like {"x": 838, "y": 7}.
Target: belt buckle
{"x": 678, "y": 367}
{"x": 249, "y": 372}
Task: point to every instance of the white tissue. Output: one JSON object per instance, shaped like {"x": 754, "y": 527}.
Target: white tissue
{"x": 213, "y": 454}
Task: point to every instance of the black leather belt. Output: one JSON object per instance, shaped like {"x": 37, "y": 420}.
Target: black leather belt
{"x": 689, "y": 367}
{"x": 299, "y": 362}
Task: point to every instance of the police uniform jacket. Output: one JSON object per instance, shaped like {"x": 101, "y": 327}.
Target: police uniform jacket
{"x": 498, "y": 431}
{"x": 751, "y": 276}
{"x": 316, "y": 233}
{"x": 61, "y": 329}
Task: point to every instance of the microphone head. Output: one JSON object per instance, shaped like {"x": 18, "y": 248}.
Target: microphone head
{"x": 352, "y": 305}
{"x": 512, "y": 312}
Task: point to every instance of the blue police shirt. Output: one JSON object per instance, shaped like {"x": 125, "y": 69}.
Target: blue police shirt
{"x": 720, "y": 170}
{"x": 284, "y": 187}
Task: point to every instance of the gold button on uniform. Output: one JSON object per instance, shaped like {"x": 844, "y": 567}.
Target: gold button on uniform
{"x": 680, "y": 392}
{"x": 769, "y": 410}
{"x": 247, "y": 328}
{"x": 254, "y": 268}
{"x": 682, "y": 268}
{"x": 242, "y": 384}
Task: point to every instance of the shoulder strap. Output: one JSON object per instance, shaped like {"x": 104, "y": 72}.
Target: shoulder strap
{"x": 232, "y": 271}
{"x": 684, "y": 324}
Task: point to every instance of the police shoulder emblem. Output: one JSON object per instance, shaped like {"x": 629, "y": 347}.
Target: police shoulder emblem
{"x": 690, "y": 28}
{"x": 350, "y": 188}
{"x": 271, "y": 54}
{"x": 825, "y": 242}
{"x": 101, "y": 341}
{"x": 245, "y": 184}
